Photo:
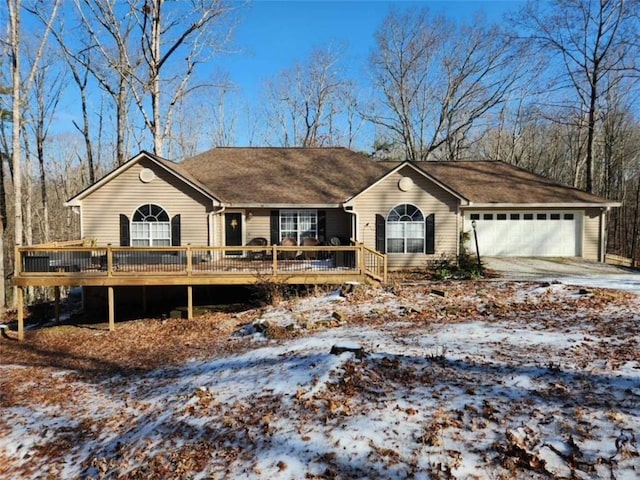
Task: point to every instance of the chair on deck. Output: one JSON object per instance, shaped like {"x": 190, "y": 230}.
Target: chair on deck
{"x": 288, "y": 242}
{"x": 257, "y": 254}
{"x": 310, "y": 242}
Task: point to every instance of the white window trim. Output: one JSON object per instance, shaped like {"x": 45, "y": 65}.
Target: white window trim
{"x": 297, "y": 212}
{"x": 386, "y": 236}
{"x": 150, "y": 238}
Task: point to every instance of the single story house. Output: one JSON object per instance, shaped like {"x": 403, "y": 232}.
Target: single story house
{"x": 412, "y": 212}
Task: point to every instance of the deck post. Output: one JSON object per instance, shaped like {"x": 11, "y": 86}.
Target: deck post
{"x": 274, "y": 257}
{"x": 109, "y": 260}
{"x": 189, "y": 260}
{"x": 112, "y": 317}
{"x": 56, "y": 308}
{"x": 20, "y": 305}
{"x": 385, "y": 266}
{"x": 189, "y": 302}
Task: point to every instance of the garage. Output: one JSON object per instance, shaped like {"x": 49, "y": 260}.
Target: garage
{"x": 526, "y": 233}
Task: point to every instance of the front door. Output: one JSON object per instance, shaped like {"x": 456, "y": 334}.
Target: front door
{"x": 233, "y": 231}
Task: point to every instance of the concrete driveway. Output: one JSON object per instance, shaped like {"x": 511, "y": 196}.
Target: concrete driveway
{"x": 573, "y": 271}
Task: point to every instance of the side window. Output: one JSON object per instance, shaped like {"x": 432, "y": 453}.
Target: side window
{"x": 298, "y": 224}
{"x": 150, "y": 227}
{"x": 405, "y": 230}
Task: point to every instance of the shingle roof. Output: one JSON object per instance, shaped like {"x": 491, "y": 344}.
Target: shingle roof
{"x": 283, "y": 175}
{"x": 499, "y": 182}
{"x": 179, "y": 170}
{"x": 299, "y": 176}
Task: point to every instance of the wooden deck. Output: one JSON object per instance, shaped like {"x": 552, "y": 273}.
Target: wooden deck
{"x": 55, "y": 265}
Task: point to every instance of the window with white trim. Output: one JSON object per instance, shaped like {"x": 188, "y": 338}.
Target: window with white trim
{"x": 405, "y": 230}
{"x": 150, "y": 227}
{"x": 298, "y": 224}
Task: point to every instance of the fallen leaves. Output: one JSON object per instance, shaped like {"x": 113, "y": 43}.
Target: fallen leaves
{"x": 505, "y": 401}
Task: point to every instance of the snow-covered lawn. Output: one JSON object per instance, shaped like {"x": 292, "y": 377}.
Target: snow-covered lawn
{"x": 492, "y": 380}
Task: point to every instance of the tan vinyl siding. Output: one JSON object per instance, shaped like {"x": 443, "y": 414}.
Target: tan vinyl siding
{"x": 259, "y": 224}
{"x": 125, "y": 193}
{"x": 427, "y": 196}
{"x": 591, "y": 235}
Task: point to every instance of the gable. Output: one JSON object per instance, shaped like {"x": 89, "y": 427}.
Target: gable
{"x": 406, "y": 185}
{"x": 169, "y": 172}
{"x": 102, "y": 208}
{"x": 390, "y": 181}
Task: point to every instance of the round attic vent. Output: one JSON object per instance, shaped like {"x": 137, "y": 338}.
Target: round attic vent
{"x": 405, "y": 184}
{"x": 146, "y": 175}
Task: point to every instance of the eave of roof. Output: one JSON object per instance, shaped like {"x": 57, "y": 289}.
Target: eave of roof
{"x": 543, "y": 205}
{"x": 334, "y": 177}
{"x": 493, "y": 183}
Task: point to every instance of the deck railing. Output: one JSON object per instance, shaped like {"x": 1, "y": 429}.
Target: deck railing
{"x": 275, "y": 261}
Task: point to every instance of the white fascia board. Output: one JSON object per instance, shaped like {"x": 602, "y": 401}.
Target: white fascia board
{"x": 282, "y": 205}
{"x": 540, "y": 205}
{"x": 433, "y": 179}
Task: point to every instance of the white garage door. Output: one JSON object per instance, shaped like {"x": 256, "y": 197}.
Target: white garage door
{"x": 526, "y": 234}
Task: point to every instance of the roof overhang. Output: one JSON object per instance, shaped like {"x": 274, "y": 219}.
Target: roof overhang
{"x": 543, "y": 205}
{"x": 281, "y": 205}
{"x": 76, "y": 201}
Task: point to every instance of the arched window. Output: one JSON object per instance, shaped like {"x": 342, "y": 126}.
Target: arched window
{"x": 150, "y": 227}
{"x": 405, "y": 230}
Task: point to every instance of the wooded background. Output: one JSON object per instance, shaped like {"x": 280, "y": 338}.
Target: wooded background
{"x": 553, "y": 88}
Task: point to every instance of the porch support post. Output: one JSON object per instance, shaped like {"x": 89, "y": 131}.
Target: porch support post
{"x": 386, "y": 267}
{"x": 189, "y": 302}
{"x": 56, "y": 308}
{"x": 112, "y": 316}
{"x": 274, "y": 259}
{"x": 20, "y": 306}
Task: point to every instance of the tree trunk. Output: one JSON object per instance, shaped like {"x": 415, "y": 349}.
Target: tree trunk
{"x": 27, "y": 200}
{"x": 591, "y": 126}
{"x": 85, "y": 130}
{"x": 636, "y": 228}
{"x": 121, "y": 121}
{"x": 3, "y": 226}
{"x": 46, "y": 236}
{"x": 16, "y": 154}
{"x": 154, "y": 75}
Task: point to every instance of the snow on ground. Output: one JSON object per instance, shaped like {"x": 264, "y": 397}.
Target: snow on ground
{"x": 524, "y": 381}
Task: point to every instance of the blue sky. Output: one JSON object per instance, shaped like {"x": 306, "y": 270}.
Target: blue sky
{"x": 273, "y": 35}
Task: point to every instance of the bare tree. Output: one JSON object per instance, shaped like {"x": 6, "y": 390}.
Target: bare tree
{"x": 45, "y": 95}
{"x": 305, "y": 101}
{"x": 109, "y": 34}
{"x": 80, "y": 73}
{"x": 190, "y": 31}
{"x": 591, "y": 39}
{"x": 223, "y": 119}
{"x": 436, "y": 79}
{"x": 20, "y": 90}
